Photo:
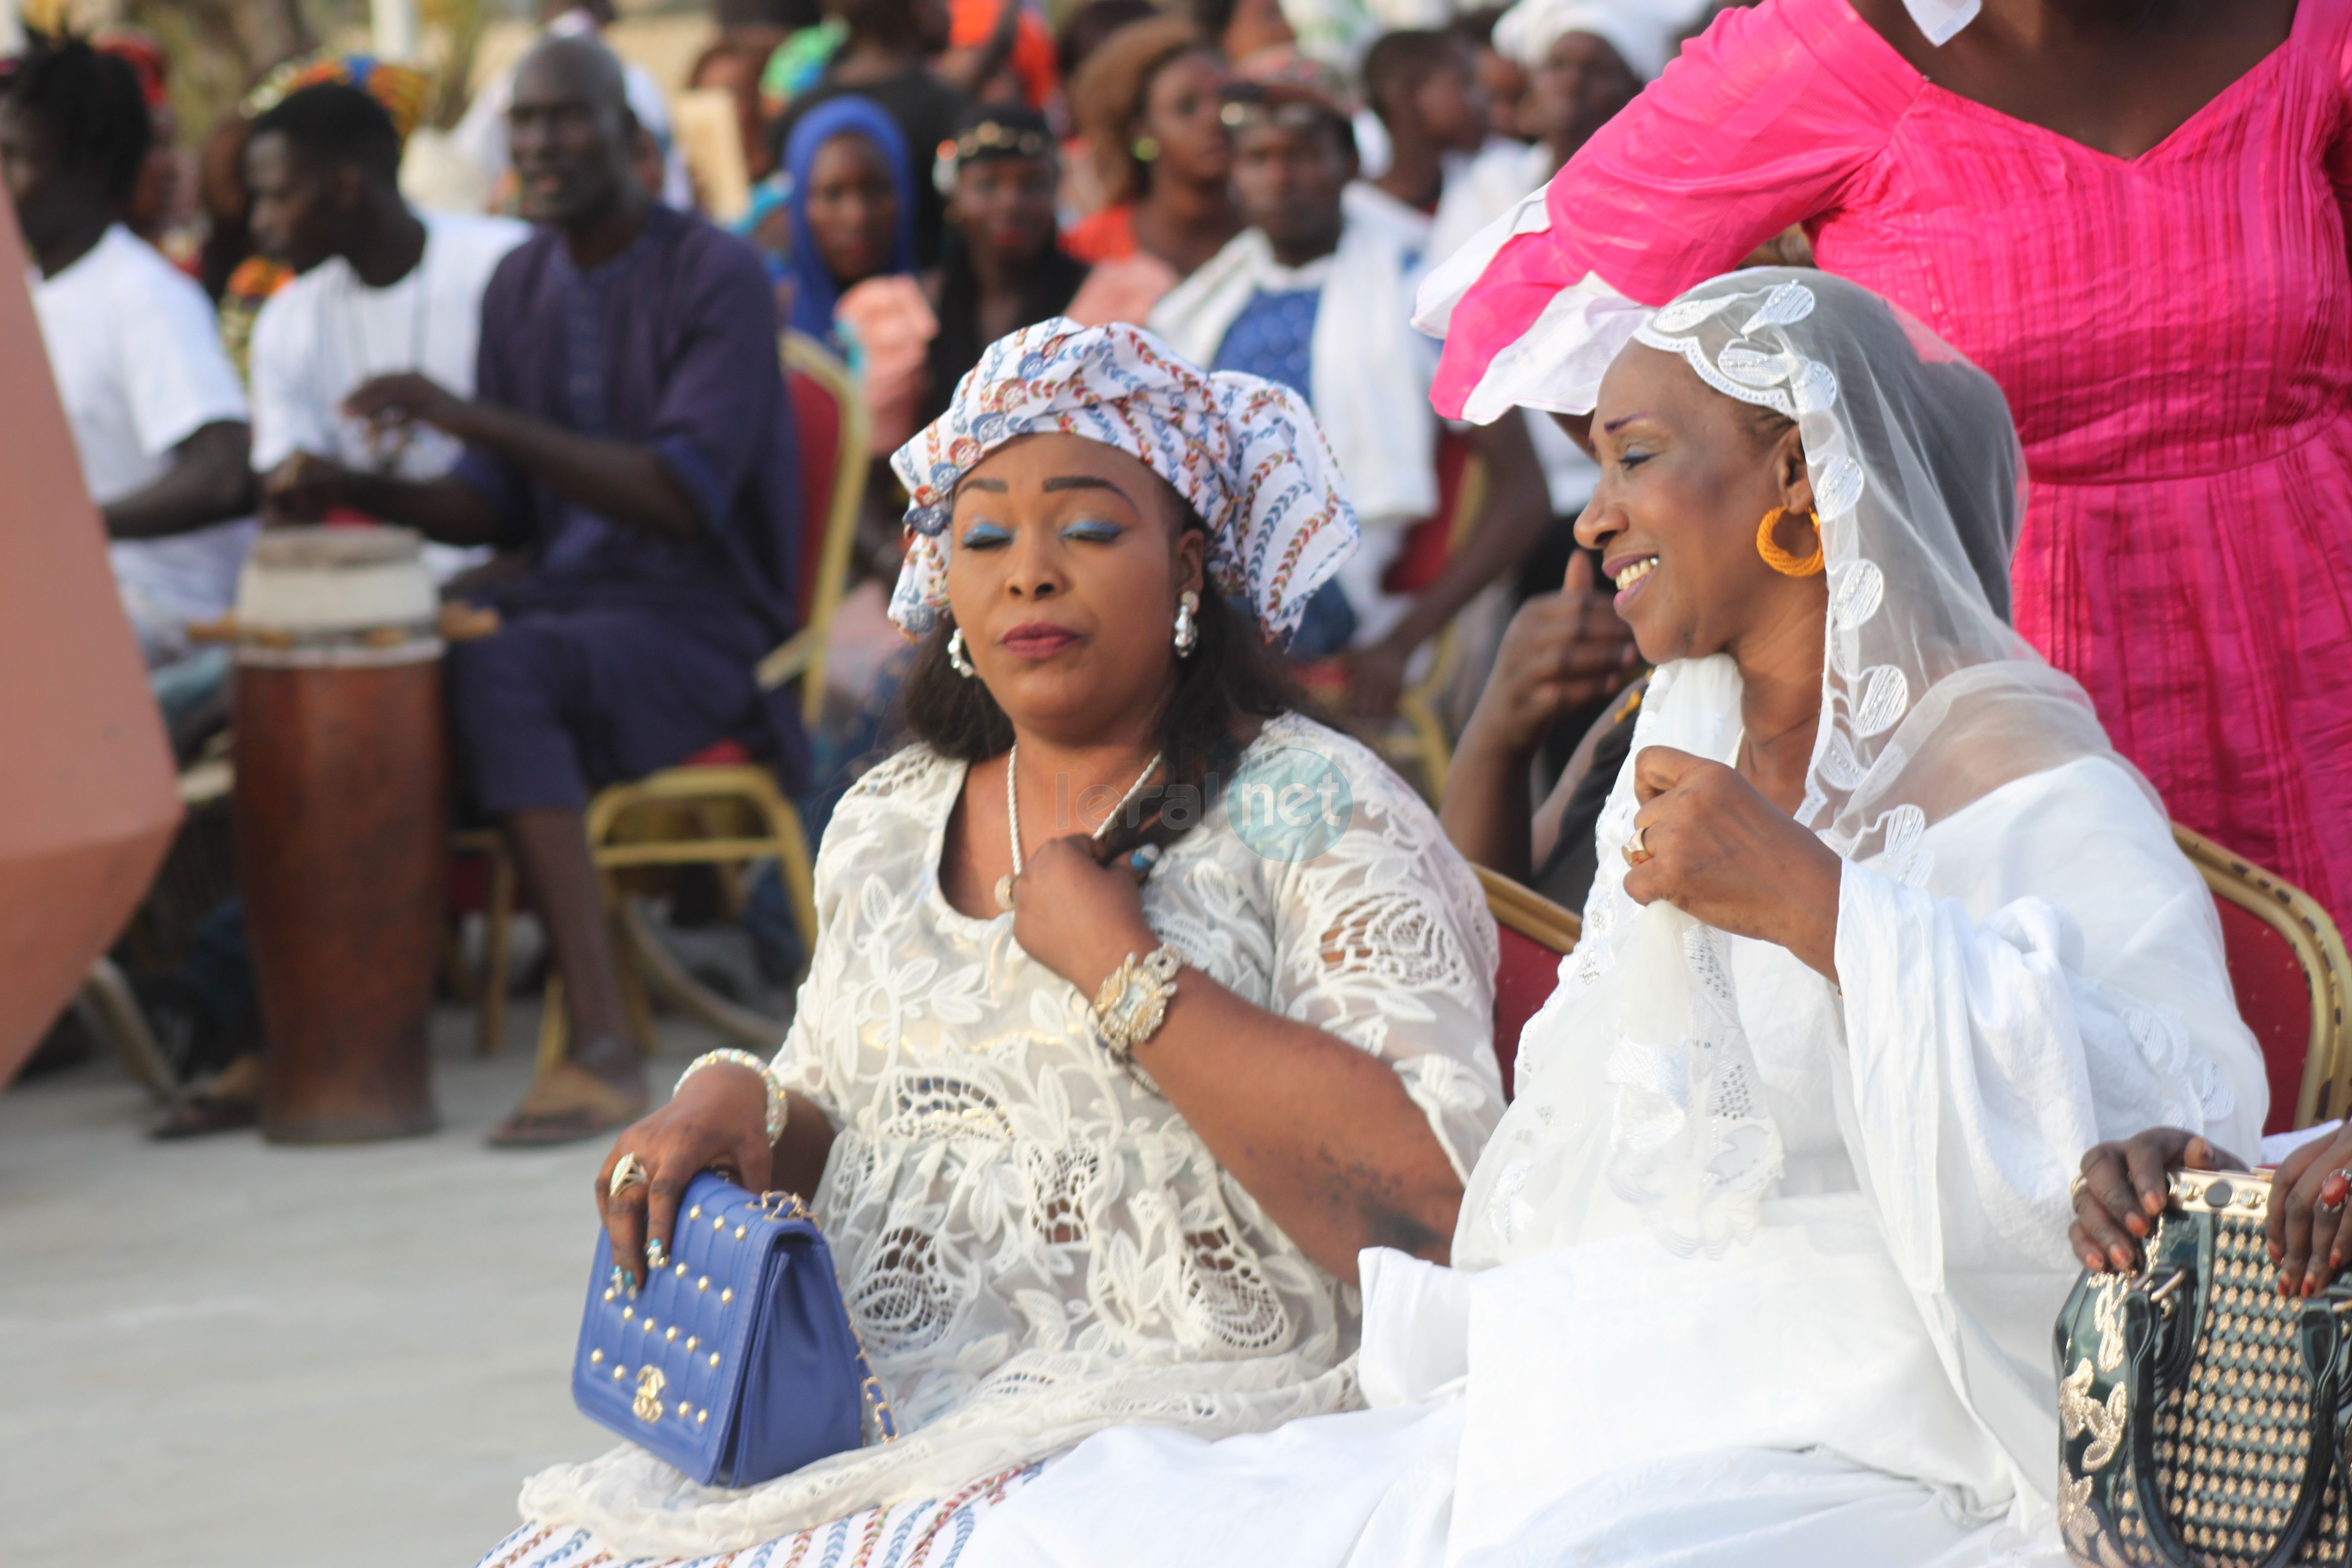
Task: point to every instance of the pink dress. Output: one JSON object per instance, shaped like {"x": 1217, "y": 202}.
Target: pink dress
{"x": 2174, "y": 333}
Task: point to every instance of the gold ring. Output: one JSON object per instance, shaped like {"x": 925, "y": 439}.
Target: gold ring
{"x": 629, "y": 1172}
{"x": 1636, "y": 850}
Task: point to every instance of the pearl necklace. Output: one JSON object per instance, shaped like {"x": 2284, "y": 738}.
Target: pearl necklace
{"x": 1013, "y": 814}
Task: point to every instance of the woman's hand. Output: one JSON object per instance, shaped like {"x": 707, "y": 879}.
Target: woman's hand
{"x": 1562, "y": 652}
{"x": 2310, "y": 1226}
{"x": 1718, "y": 850}
{"x": 1078, "y": 915}
{"x": 2123, "y": 1190}
{"x": 717, "y": 1120}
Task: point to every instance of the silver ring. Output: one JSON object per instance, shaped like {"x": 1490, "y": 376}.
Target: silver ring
{"x": 1636, "y": 851}
{"x": 629, "y": 1172}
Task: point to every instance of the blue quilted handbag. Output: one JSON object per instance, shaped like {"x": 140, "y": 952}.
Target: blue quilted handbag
{"x": 738, "y": 1363}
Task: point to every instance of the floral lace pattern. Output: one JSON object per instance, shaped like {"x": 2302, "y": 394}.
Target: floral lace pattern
{"x": 1035, "y": 1243}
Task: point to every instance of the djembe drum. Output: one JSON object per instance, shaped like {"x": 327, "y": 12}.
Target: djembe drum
{"x": 342, "y": 831}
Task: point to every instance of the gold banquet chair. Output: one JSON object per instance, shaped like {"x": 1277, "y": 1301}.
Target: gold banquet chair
{"x": 718, "y": 808}
{"x": 2293, "y": 979}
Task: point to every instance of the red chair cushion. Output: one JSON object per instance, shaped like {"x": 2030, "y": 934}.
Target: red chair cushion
{"x": 719, "y": 754}
{"x": 818, "y": 418}
{"x": 1523, "y": 981}
{"x": 2274, "y": 999}
{"x": 1427, "y": 544}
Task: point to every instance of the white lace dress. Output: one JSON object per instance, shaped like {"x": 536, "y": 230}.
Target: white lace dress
{"x": 1035, "y": 1244}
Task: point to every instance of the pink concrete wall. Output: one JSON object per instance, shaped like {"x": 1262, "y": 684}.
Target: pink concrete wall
{"x": 87, "y": 802}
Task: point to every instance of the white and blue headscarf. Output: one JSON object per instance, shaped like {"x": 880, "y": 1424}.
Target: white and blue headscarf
{"x": 1246, "y": 453}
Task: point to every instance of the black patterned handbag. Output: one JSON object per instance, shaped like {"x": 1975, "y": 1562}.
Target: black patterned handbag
{"x": 2201, "y": 1415}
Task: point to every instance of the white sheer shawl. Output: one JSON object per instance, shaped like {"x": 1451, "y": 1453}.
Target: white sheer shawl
{"x": 1999, "y": 1013}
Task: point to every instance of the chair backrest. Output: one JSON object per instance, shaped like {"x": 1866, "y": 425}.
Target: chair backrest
{"x": 1534, "y": 934}
{"x": 2293, "y": 979}
{"x": 831, "y": 419}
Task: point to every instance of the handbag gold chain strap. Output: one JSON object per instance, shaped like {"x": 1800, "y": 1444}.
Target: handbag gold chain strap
{"x": 782, "y": 1206}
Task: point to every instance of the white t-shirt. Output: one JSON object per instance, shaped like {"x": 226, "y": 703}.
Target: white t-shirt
{"x": 136, "y": 350}
{"x": 320, "y": 337}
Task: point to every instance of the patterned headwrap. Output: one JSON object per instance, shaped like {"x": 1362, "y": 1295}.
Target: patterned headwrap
{"x": 1244, "y": 452}
{"x": 401, "y": 89}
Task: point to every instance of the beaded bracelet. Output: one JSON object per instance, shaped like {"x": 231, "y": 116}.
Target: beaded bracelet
{"x": 778, "y": 1106}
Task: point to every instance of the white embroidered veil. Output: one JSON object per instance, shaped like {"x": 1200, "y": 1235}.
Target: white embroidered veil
{"x": 1638, "y": 1098}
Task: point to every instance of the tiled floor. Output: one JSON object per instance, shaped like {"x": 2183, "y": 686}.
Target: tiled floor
{"x": 225, "y": 1353}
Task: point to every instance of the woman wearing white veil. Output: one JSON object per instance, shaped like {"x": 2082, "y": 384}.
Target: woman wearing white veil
{"x": 1761, "y": 1267}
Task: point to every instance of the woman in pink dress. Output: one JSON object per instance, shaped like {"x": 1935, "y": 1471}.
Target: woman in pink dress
{"x": 2138, "y": 227}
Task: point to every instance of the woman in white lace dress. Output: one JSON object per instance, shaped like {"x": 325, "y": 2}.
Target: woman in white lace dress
{"x": 1037, "y": 1237}
{"x": 1761, "y": 1267}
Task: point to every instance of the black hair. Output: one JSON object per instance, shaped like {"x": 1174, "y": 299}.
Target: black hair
{"x": 91, "y": 102}
{"x": 1476, "y": 28}
{"x": 1084, "y": 29}
{"x": 1399, "y": 62}
{"x": 1226, "y": 678}
{"x": 1048, "y": 285}
{"x": 791, "y": 16}
{"x": 336, "y": 124}
{"x": 1212, "y": 17}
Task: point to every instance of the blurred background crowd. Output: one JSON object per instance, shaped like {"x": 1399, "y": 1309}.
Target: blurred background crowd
{"x": 245, "y": 212}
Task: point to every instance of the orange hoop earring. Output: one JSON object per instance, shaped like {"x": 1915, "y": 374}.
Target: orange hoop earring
{"x": 1779, "y": 560}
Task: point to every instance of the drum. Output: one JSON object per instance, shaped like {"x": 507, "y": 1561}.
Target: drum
{"x": 342, "y": 829}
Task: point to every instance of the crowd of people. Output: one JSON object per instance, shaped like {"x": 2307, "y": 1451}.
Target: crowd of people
{"x": 1885, "y": 461}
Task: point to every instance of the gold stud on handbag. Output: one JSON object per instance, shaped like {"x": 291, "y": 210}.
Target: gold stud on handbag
{"x": 2201, "y": 1415}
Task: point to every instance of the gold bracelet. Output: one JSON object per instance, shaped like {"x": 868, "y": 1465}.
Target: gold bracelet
{"x": 779, "y": 1107}
{"x": 1133, "y": 1001}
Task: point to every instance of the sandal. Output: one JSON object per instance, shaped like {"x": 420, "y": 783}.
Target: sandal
{"x": 568, "y": 1104}
{"x": 230, "y": 1103}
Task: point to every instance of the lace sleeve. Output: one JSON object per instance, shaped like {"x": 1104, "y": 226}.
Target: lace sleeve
{"x": 1384, "y": 941}
{"x": 864, "y": 833}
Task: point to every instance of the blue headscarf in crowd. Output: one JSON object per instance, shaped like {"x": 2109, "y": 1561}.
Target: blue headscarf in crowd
{"x": 815, "y": 293}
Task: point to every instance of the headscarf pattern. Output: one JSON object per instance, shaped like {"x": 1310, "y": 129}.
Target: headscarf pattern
{"x": 1246, "y": 453}
{"x": 814, "y": 292}
{"x": 402, "y": 89}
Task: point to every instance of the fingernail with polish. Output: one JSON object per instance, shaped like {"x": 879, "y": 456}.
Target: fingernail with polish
{"x": 616, "y": 1277}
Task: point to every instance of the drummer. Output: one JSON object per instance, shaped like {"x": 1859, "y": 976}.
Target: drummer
{"x": 631, "y": 430}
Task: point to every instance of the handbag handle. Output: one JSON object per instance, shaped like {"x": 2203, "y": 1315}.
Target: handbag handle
{"x": 779, "y": 1204}
{"x": 2157, "y": 1347}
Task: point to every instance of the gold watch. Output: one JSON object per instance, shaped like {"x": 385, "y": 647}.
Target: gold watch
{"x": 1133, "y": 1001}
